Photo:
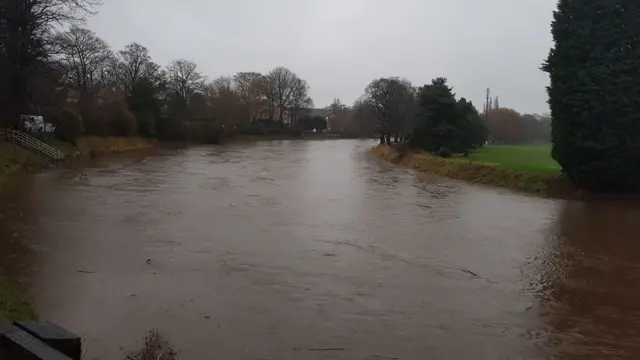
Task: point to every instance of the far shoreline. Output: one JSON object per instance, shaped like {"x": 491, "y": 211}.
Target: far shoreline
{"x": 550, "y": 185}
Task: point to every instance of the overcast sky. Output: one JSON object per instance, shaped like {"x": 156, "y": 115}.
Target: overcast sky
{"x": 339, "y": 46}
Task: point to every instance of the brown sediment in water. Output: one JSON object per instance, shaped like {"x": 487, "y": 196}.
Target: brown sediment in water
{"x": 551, "y": 185}
{"x": 310, "y": 250}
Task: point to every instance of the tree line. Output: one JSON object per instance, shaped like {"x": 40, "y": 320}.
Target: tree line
{"x": 51, "y": 66}
{"x": 508, "y": 126}
{"x": 503, "y": 125}
{"x": 429, "y": 117}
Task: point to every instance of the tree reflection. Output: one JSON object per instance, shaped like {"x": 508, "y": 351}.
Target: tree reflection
{"x": 590, "y": 290}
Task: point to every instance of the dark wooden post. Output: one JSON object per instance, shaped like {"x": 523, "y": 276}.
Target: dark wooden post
{"x": 16, "y": 344}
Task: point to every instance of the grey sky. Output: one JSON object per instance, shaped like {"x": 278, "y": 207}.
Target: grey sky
{"x": 339, "y": 46}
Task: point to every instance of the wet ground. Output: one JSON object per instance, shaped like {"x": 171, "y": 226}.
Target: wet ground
{"x": 311, "y": 250}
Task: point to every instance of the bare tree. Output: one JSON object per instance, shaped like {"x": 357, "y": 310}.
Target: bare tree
{"x": 391, "y": 97}
{"x": 226, "y": 103}
{"x": 220, "y": 86}
{"x": 269, "y": 96}
{"x": 250, "y": 88}
{"x": 338, "y": 116}
{"x": 135, "y": 64}
{"x": 361, "y": 121}
{"x": 83, "y": 56}
{"x": 109, "y": 72}
{"x": 184, "y": 79}
{"x": 25, "y": 42}
{"x": 282, "y": 83}
{"x": 299, "y": 100}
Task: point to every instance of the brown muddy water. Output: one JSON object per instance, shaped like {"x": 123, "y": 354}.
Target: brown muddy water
{"x": 311, "y": 250}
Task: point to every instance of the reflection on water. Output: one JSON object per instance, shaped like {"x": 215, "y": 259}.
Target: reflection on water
{"x": 590, "y": 292}
{"x": 265, "y": 251}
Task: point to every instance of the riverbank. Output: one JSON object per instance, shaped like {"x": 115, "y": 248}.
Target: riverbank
{"x": 91, "y": 146}
{"x": 468, "y": 170}
{"x": 16, "y": 162}
{"x": 14, "y": 305}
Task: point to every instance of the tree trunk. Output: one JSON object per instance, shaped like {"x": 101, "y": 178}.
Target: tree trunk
{"x": 388, "y": 139}
{"x": 381, "y": 138}
{"x": 281, "y": 117}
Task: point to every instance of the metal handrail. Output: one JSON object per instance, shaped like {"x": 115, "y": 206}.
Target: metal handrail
{"x": 31, "y": 143}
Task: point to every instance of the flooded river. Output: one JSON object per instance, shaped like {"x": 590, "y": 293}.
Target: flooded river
{"x": 311, "y": 250}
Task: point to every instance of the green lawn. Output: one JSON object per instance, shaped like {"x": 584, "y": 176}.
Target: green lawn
{"x": 13, "y": 303}
{"x": 524, "y": 158}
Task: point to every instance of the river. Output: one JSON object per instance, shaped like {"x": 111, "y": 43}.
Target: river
{"x": 312, "y": 250}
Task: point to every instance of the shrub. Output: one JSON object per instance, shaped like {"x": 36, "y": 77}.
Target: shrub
{"x": 202, "y": 132}
{"x": 444, "y": 152}
{"x": 156, "y": 347}
{"x": 122, "y": 122}
{"x": 68, "y": 125}
{"x": 146, "y": 125}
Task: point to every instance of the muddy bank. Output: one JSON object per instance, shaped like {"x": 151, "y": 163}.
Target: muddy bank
{"x": 458, "y": 169}
{"x": 96, "y": 146}
{"x": 15, "y": 161}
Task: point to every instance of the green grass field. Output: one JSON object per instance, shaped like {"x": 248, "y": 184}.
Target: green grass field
{"x": 523, "y": 158}
{"x": 13, "y": 303}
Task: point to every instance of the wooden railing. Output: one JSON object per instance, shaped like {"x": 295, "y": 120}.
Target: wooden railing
{"x": 30, "y": 143}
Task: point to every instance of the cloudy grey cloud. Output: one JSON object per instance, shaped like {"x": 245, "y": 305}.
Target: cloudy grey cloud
{"x": 339, "y": 46}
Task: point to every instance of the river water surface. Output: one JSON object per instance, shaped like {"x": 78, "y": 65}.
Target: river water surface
{"x": 312, "y": 250}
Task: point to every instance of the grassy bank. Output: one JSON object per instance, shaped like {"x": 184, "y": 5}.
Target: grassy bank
{"x": 16, "y": 161}
{"x": 478, "y": 169}
{"x": 13, "y": 304}
{"x": 95, "y": 146}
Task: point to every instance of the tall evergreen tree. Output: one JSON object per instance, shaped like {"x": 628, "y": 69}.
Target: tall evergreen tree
{"x": 472, "y": 127}
{"x": 594, "y": 93}
{"x": 437, "y": 117}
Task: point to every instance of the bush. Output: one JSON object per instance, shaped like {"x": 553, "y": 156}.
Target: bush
{"x": 68, "y": 125}
{"x": 444, "y": 152}
{"x": 202, "y": 132}
{"x": 122, "y": 122}
{"x": 146, "y": 125}
{"x": 156, "y": 347}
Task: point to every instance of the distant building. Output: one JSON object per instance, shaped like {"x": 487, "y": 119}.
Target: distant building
{"x": 109, "y": 94}
{"x": 69, "y": 97}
